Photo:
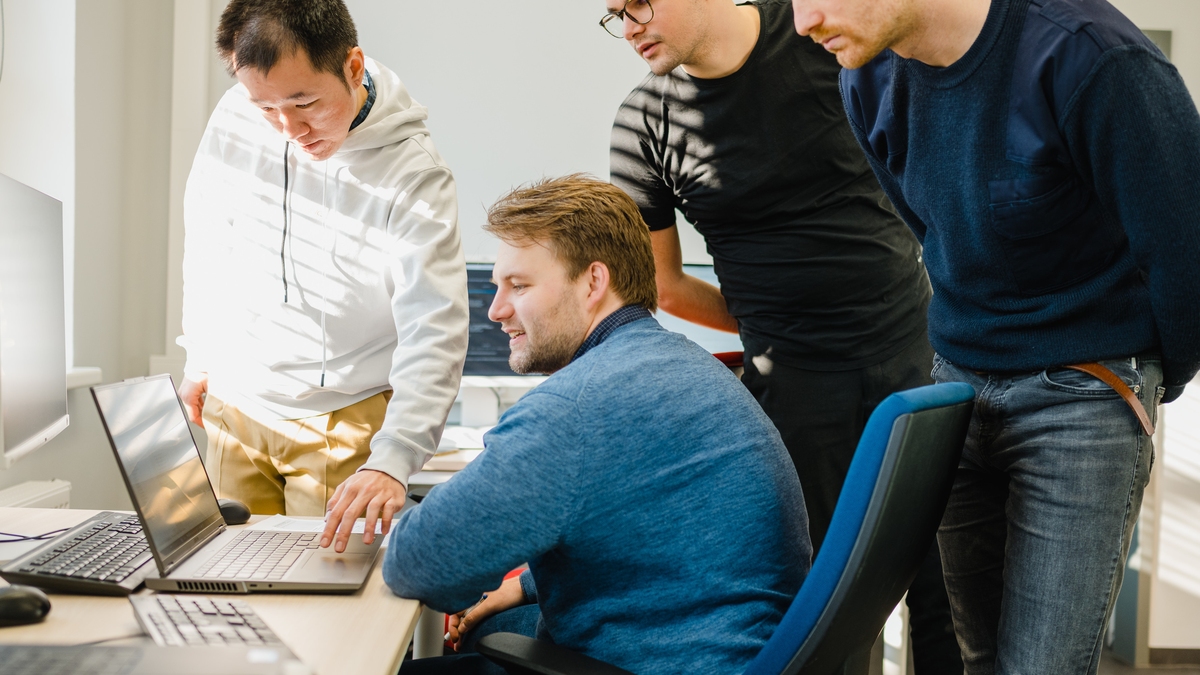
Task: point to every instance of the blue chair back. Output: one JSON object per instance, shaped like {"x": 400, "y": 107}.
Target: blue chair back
{"x": 884, "y": 523}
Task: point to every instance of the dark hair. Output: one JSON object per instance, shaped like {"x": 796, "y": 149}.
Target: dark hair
{"x": 257, "y": 33}
{"x": 582, "y": 220}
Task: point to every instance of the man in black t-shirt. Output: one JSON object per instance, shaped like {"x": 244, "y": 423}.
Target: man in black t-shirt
{"x": 740, "y": 126}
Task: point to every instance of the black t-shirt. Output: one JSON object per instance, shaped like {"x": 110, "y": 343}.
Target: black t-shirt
{"x": 812, "y": 260}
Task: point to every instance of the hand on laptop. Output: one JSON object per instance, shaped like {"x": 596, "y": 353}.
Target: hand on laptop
{"x": 191, "y": 391}
{"x": 374, "y": 492}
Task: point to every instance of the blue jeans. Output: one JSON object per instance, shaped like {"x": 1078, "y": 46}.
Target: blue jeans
{"x": 1035, "y": 536}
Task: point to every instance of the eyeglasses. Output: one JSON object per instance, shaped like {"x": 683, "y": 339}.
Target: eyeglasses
{"x": 637, "y": 11}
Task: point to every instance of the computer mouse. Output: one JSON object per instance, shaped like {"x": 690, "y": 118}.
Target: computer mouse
{"x": 22, "y": 604}
{"x": 233, "y": 511}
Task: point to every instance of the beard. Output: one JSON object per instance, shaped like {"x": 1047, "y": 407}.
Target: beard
{"x": 888, "y": 25}
{"x": 670, "y": 60}
{"x": 690, "y": 45}
{"x": 548, "y": 350}
{"x": 859, "y": 54}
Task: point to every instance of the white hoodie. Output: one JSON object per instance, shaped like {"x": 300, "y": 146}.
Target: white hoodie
{"x": 376, "y": 283}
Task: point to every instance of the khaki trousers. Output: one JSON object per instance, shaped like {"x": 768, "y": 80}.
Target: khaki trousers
{"x": 290, "y": 467}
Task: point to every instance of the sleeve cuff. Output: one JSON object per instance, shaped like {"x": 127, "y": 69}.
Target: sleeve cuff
{"x": 396, "y": 460}
{"x": 528, "y": 587}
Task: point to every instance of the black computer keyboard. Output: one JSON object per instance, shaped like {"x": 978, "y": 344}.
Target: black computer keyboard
{"x": 104, "y": 555}
{"x": 199, "y": 621}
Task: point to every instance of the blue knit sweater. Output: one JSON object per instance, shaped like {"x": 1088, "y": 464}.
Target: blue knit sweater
{"x": 1053, "y": 176}
{"x": 655, "y": 503}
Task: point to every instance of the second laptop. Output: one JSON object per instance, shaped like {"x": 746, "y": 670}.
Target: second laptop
{"x": 192, "y": 547}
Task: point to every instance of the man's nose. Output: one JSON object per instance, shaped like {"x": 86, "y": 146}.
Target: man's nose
{"x": 500, "y": 309}
{"x": 292, "y": 126}
{"x": 806, "y": 18}
{"x": 632, "y": 28}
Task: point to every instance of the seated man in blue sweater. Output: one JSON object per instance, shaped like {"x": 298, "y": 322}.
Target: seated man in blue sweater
{"x": 656, "y": 505}
{"x": 1048, "y": 157}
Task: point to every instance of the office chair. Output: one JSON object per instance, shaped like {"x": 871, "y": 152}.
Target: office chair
{"x": 885, "y": 520}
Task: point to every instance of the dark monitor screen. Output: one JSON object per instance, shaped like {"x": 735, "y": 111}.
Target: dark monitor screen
{"x": 487, "y": 345}
{"x": 158, "y": 457}
{"x": 487, "y": 348}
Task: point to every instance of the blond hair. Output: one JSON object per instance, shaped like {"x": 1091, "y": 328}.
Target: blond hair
{"x": 582, "y": 220}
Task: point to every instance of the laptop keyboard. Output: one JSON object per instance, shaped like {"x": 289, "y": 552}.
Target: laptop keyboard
{"x": 199, "y": 621}
{"x": 258, "y": 555}
{"x": 46, "y": 660}
{"x": 109, "y": 550}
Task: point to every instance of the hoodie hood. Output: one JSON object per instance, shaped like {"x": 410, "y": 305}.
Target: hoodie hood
{"x": 394, "y": 117}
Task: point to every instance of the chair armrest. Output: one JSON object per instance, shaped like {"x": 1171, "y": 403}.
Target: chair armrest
{"x": 520, "y": 655}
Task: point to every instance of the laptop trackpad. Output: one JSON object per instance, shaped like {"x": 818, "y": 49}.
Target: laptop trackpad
{"x": 326, "y": 566}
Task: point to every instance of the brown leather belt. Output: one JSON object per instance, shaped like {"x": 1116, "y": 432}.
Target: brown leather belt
{"x": 1118, "y": 385}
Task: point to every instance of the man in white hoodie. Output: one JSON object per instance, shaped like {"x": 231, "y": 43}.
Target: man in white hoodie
{"x": 325, "y": 308}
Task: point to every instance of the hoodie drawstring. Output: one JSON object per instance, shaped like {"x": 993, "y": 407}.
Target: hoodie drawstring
{"x": 325, "y": 269}
{"x": 287, "y": 217}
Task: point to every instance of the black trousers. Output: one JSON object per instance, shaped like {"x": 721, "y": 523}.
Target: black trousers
{"x": 821, "y": 416}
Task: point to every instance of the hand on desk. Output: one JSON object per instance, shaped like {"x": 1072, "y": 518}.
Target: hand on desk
{"x": 191, "y": 391}
{"x": 375, "y": 492}
{"x": 509, "y": 595}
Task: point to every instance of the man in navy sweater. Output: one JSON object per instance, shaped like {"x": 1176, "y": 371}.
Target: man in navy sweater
{"x": 655, "y": 503}
{"x": 1045, "y": 153}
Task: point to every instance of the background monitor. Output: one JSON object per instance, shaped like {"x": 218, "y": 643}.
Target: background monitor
{"x": 33, "y": 338}
{"x": 487, "y": 347}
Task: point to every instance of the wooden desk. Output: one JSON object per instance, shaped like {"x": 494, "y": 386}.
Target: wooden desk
{"x": 365, "y": 633}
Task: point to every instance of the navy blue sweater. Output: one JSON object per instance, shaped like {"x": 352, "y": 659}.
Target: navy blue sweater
{"x": 1052, "y": 175}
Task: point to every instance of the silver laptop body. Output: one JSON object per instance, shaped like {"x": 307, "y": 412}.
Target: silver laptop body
{"x": 169, "y": 487}
{"x": 148, "y": 660}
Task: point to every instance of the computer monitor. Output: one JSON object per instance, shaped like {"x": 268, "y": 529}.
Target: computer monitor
{"x": 33, "y": 335}
{"x": 487, "y": 347}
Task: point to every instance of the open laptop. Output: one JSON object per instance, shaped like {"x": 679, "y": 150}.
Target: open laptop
{"x": 169, "y": 487}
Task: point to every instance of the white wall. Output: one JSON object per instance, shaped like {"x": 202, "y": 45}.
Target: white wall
{"x": 37, "y": 108}
{"x": 89, "y": 117}
{"x": 516, "y": 91}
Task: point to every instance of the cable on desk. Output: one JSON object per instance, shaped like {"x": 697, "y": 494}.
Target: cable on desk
{"x": 30, "y": 537}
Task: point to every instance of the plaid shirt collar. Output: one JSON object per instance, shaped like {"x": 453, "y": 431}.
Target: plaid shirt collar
{"x": 366, "y": 109}
{"x": 627, "y": 314}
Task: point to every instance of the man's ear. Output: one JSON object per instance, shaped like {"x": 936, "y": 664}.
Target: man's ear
{"x": 355, "y": 67}
{"x": 598, "y": 284}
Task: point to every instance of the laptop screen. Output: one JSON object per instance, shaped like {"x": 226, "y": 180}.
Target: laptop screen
{"x": 158, "y": 457}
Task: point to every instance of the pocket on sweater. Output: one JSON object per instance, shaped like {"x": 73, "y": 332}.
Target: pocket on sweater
{"x": 1051, "y": 231}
